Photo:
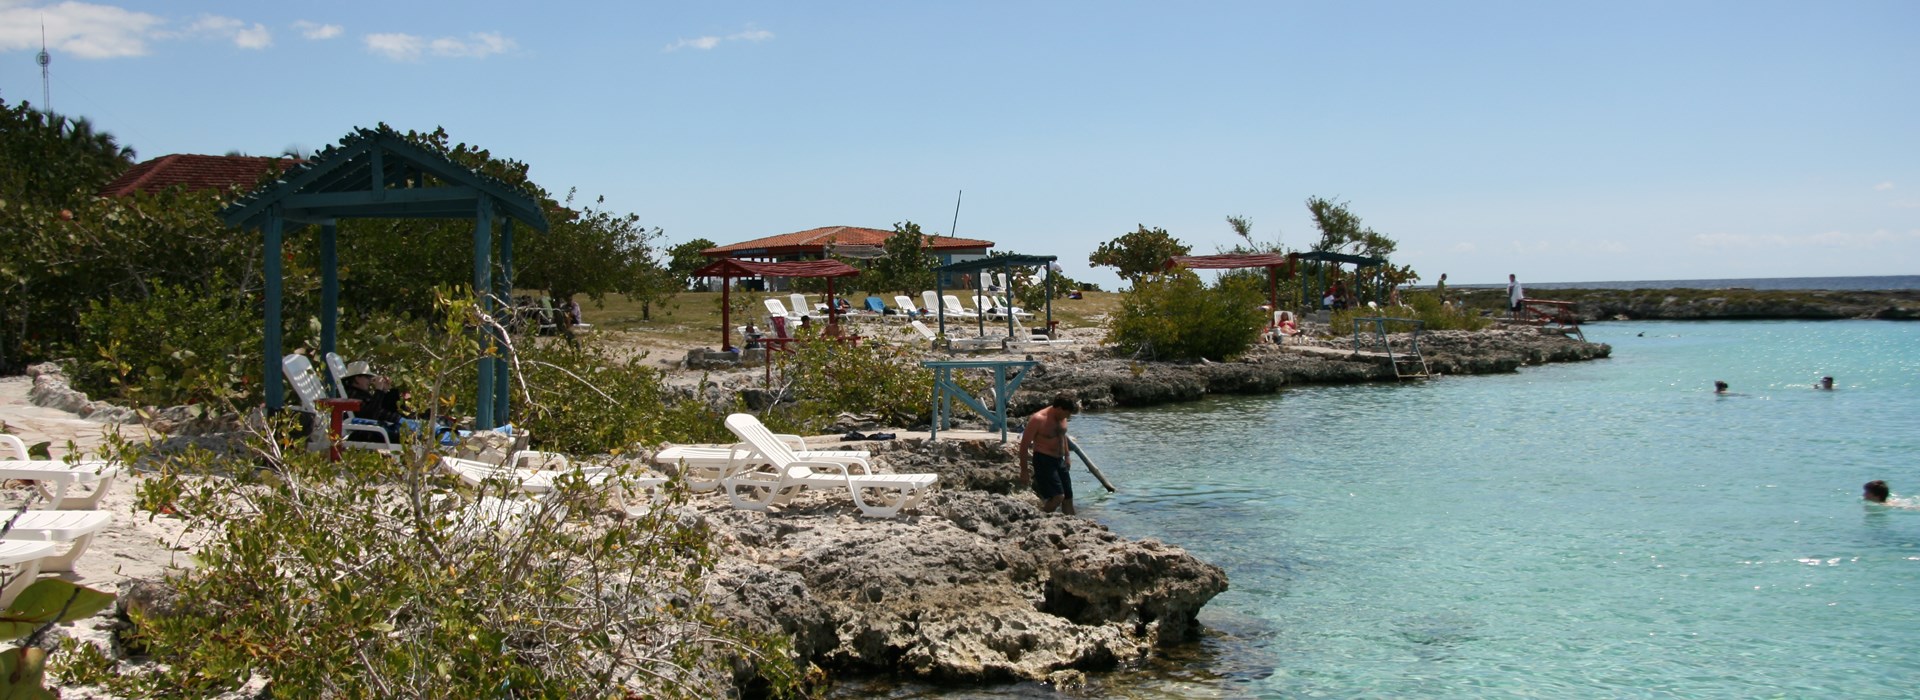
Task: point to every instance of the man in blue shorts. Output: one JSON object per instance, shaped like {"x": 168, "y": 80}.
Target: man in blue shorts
{"x": 1045, "y": 441}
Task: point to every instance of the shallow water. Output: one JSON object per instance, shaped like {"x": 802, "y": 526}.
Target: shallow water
{"x": 1602, "y": 529}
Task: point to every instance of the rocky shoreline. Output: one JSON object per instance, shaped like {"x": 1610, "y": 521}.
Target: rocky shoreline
{"x": 1720, "y": 304}
{"x": 978, "y": 586}
{"x": 1103, "y": 381}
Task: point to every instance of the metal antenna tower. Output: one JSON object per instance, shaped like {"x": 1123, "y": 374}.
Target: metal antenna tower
{"x": 46, "y": 79}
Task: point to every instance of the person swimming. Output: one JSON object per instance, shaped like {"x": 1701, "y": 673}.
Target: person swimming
{"x": 1876, "y": 491}
{"x": 1719, "y": 387}
{"x": 1825, "y": 384}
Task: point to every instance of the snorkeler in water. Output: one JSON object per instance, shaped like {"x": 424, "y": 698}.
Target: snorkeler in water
{"x": 1825, "y": 384}
{"x": 1719, "y": 387}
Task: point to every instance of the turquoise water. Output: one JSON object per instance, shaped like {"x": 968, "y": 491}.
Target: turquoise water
{"x": 1602, "y": 529}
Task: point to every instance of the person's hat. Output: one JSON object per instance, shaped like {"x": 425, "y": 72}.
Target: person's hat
{"x": 357, "y": 368}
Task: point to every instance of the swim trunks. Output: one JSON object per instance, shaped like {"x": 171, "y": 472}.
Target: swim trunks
{"x": 1050, "y": 477}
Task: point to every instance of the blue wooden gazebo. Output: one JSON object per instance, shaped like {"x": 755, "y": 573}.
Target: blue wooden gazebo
{"x": 380, "y": 174}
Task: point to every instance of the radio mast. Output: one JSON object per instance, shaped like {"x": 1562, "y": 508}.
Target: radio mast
{"x": 46, "y": 79}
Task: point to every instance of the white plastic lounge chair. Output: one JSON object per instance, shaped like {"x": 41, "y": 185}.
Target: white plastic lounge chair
{"x": 1000, "y": 304}
{"x": 905, "y": 306}
{"x": 337, "y": 371}
{"x": 76, "y": 527}
{"x": 299, "y": 372}
{"x": 25, "y": 557}
{"x": 540, "y": 473}
{"x": 800, "y": 306}
{"x": 925, "y": 332}
{"x": 779, "y": 310}
{"x": 955, "y": 309}
{"x": 705, "y": 466}
{"x": 61, "y": 475}
{"x": 774, "y": 483}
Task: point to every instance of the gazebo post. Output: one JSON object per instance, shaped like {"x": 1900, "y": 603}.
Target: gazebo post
{"x": 482, "y": 255}
{"x": 1010, "y": 298}
{"x": 940, "y": 302}
{"x": 1049, "y": 302}
{"x": 726, "y": 312}
{"x": 503, "y": 291}
{"x": 833, "y": 310}
{"x": 329, "y": 289}
{"x": 270, "y": 269}
{"x": 1273, "y": 289}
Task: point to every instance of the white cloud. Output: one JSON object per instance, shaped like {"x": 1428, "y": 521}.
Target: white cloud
{"x": 707, "y": 43}
{"x": 398, "y": 47}
{"x": 478, "y": 45}
{"x": 316, "y": 31}
{"x": 1882, "y": 187}
{"x": 78, "y": 29}
{"x": 254, "y": 37}
{"x": 407, "y": 47}
{"x": 1824, "y": 239}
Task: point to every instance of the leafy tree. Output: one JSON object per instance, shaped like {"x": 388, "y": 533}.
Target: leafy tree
{"x": 1140, "y": 253}
{"x": 1342, "y": 232}
{"x": 908, "y": 265}
{"x": 1179, "y": 317}
{"x": 683, "y": 259}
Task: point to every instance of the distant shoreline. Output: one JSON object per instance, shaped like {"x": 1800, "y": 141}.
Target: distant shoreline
{"x": 1809, "y": 284}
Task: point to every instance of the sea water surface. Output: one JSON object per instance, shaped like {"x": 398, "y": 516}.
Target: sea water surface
{"x": 1600, "y": 529}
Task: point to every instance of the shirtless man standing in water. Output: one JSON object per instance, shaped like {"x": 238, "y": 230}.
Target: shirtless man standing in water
{"x": 1045, "y": 440}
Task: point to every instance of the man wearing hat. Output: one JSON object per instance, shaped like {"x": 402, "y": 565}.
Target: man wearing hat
{"x": 379, "y": 402}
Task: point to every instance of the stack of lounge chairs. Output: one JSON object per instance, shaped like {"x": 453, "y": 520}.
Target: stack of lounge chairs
{"x": 32, "y": 540}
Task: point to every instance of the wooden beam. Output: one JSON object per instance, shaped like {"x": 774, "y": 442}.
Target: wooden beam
{"x": 462, "y": 195}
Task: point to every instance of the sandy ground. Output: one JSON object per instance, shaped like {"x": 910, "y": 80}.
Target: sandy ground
{"x": 134, "y": 547}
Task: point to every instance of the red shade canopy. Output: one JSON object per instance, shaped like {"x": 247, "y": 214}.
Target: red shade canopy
{"x": 730, "y": 267}
{"x": 1226, "y": 262}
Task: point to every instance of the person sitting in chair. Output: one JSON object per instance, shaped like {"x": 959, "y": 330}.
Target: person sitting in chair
{"x": 379, "y": 401}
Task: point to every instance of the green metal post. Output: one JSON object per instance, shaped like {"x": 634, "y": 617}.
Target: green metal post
{"x": 482, "y": 259}
{"x": 270, "y": 268}
{"x": 329, "y": 289}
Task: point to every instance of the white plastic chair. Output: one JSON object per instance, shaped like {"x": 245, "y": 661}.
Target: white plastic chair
{"x": 73, "y": 527}
{"x": 905, "y": 306}
{"x": 306, "y": 386}
{"x": 954, "y": 308}
{"x": 703, "y": 467}
{"x": 61, "y": 475}
{"x": 784, "y": 473}
{"x": 25, "y": 558}
{"x": 779, "y": 310}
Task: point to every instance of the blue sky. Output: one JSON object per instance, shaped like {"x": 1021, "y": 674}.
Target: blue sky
{"x": 1559, "y": 141}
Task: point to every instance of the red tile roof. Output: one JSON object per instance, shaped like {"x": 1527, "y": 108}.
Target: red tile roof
{"x": 814, "y": 240}
{"x": 195, "y": 173}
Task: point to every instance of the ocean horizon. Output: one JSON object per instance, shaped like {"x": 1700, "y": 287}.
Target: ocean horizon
{"x": 1836, "y": 284}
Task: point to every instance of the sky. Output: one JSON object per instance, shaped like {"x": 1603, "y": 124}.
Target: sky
{"x": 1562, "y": 142}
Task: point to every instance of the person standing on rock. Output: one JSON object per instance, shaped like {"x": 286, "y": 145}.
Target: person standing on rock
{"x": 1045, "y": 442}
{"x": 1514, "y": 295}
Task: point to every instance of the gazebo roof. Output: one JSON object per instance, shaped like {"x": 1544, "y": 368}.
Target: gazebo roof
{"x": 1320, "y": 256}
{"x": 998, "y": 261}
{"x": 1227, "y": 261}
{"x": 379, "y": 173}
{"x": 729, "y": 267}
{"x": 816, "y": 241}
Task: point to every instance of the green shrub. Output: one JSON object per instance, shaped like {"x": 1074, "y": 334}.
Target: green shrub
{"x": 1178, "y": 317}
{"x": 827, "y": 378}
{"x": 374, "y": 577}
{"x": 585, "y": 400}
{"x": 1420, "y": 307}
{"x": 177, "y": 345}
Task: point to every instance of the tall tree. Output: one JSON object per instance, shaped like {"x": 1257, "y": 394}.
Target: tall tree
{"x": 684, "y": 258}
{"x": 1140, "y": 253}
{"x": 1342, "y": 232}
{"x": 908, "y": 265}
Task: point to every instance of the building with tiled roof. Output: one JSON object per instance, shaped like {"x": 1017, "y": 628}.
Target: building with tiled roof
{"x": 195, "y": 172}
{"x": 812, "y": 243}
{"x": 846, "y": 241}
